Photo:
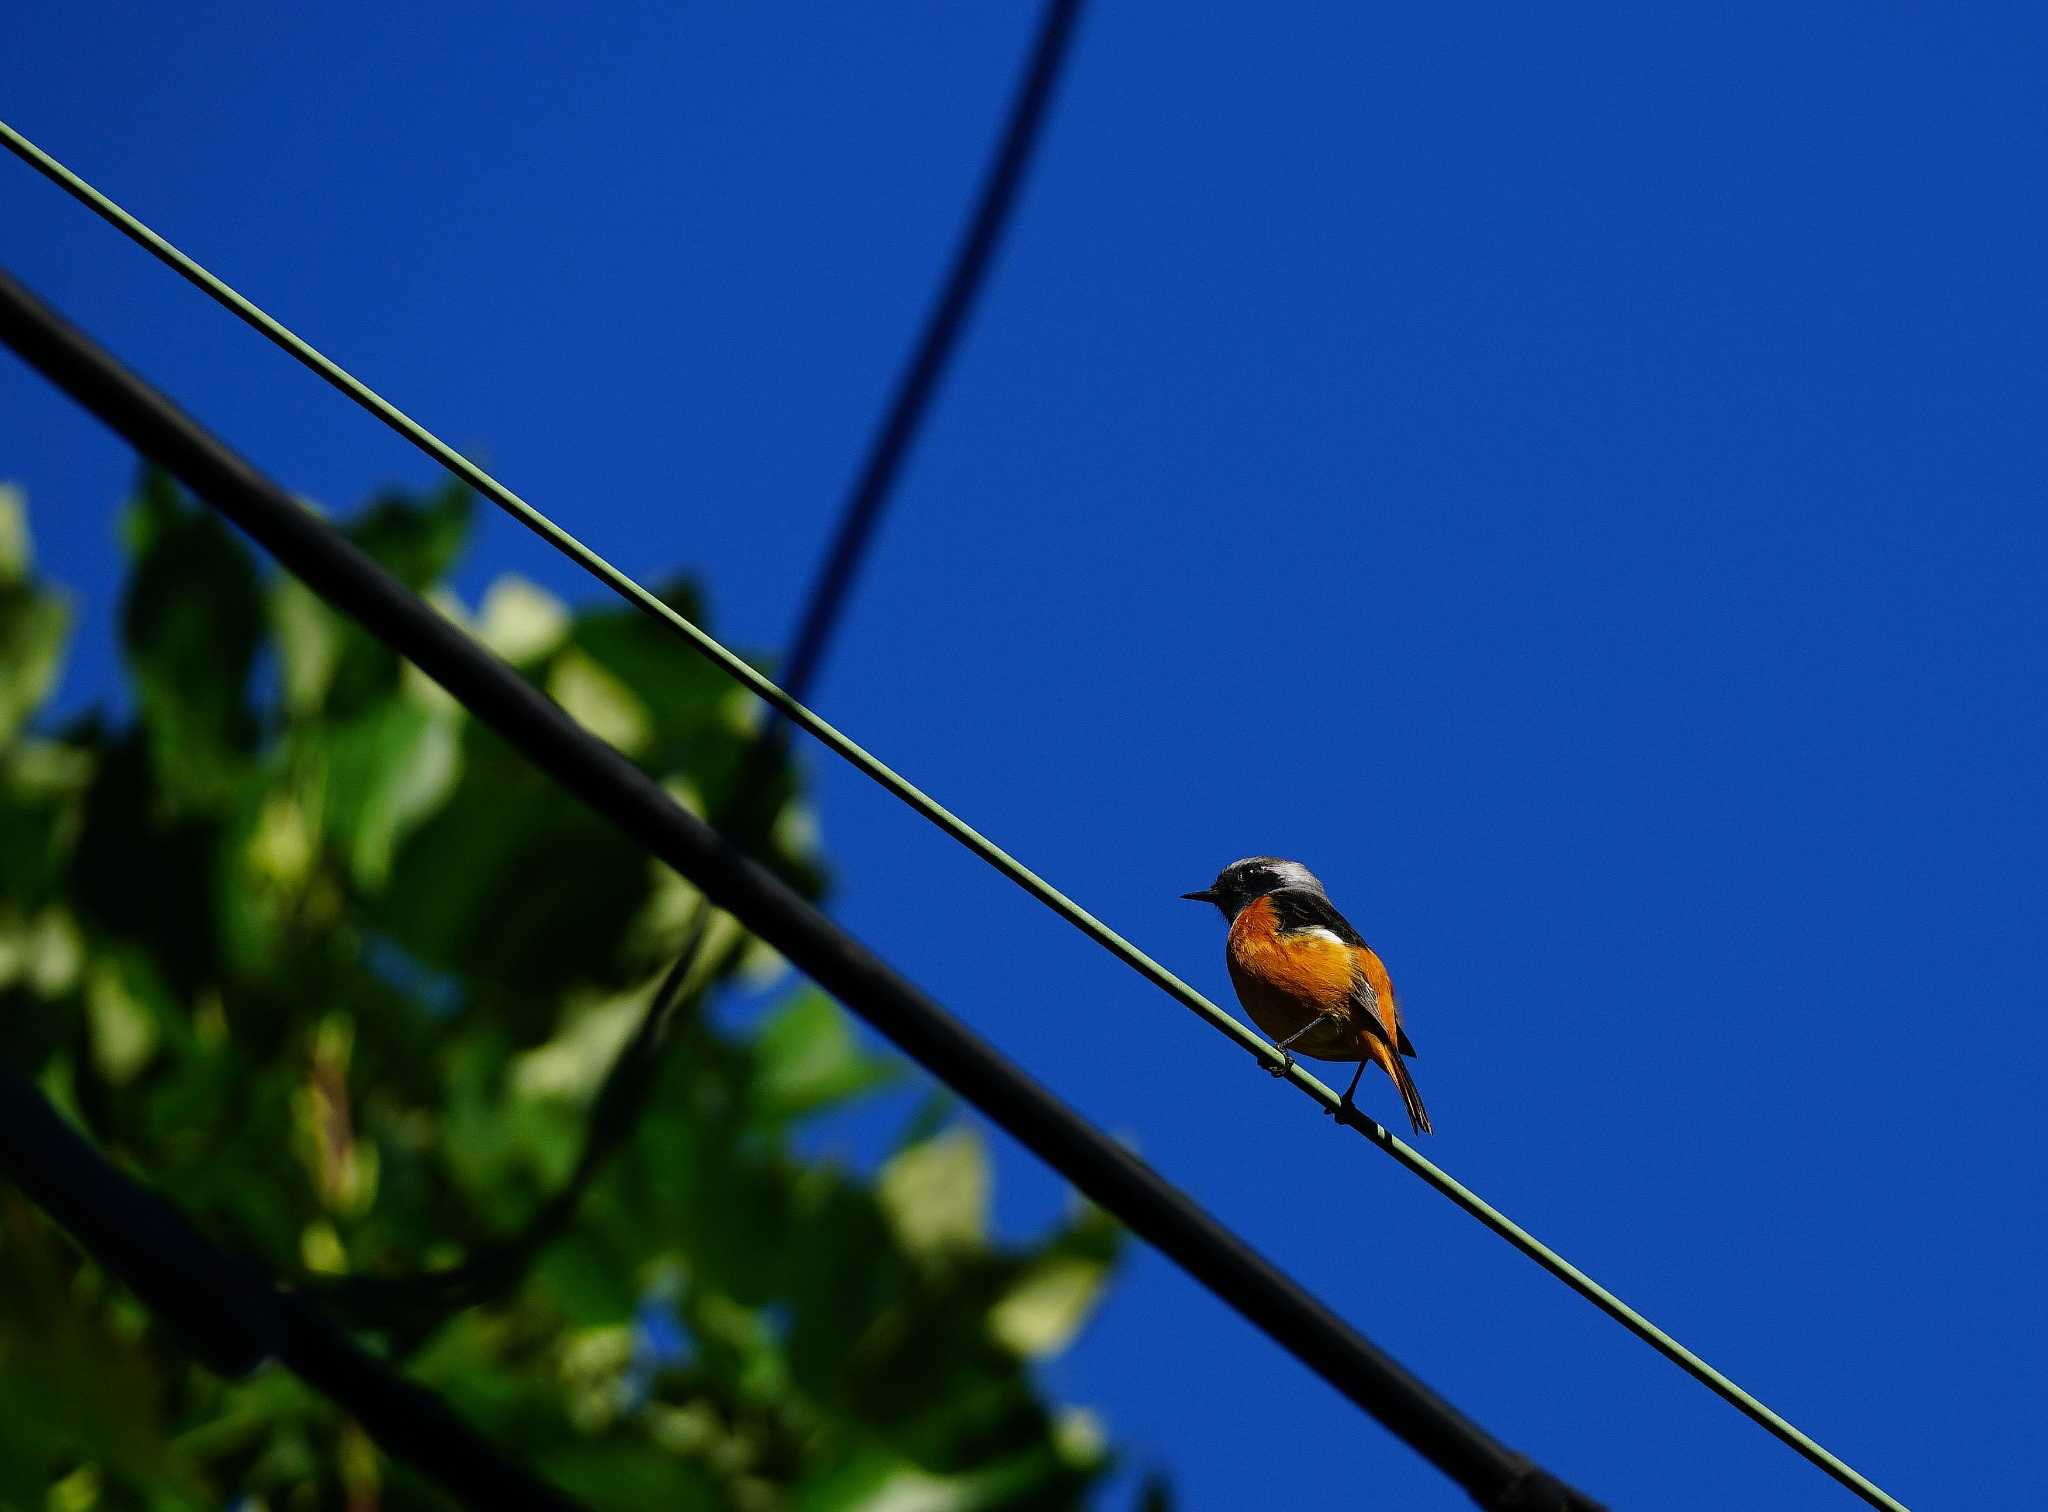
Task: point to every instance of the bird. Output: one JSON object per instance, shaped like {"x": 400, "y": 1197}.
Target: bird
{"x": 1306, "y": 976}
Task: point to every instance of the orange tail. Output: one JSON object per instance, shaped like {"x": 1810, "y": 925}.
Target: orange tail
{"x": 1389, "y": 1061}
{"x": 1410, "y": 1098}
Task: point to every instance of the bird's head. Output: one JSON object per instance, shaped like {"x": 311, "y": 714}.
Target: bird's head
{"x": 1253, "y": 877}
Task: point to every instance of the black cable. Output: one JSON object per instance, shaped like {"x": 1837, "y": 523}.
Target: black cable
{"x": 747, "y": 813}
{"x": 935, "y": 347}
{"x": 1494, "y": 1475}
{"x": 231, "y": 1314}
{"x": 416, "y": 1300}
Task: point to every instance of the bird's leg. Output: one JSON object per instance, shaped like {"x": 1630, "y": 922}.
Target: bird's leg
{"x": 1344, "y": 1104}
{"x": 1287, "y": 1061}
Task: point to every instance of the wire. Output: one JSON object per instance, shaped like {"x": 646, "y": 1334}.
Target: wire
{"x": 1252, "y": 1044}
{"x": 327, "y": 562}
{"x": 230, "y": 1312}
{"x": 935, "y": 346}
{"x": 750, "y": 809}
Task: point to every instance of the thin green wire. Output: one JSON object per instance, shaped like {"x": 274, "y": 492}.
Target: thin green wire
{"x": 958, "y": 828}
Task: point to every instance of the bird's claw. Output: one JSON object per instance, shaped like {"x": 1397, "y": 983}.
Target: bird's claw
{"x": 1286, "y": 1065}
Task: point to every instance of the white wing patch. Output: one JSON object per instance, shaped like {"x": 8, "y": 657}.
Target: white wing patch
{"x": 1317, "y": 932}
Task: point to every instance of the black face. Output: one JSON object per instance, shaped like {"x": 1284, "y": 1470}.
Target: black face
{"x": 1255, "y": 876}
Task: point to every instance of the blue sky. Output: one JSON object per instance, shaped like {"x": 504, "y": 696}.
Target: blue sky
{"x": 1574, "y": 475}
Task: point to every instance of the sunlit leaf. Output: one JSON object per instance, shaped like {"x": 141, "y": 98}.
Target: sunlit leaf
{"x": 1041, "y": 1314}
{"x": 519, "y": 621}
{"x": 385, "y": 772}
{"x": 810, "y": 1060}
{"x": 131, "y": 1011}
{"x": 43, "y": 951}
{"x": 16, "y": 555}
{"x": 936, "y": 1193}
{"x": 570, "y": 1066}
{"x": 600, "y": 702}
{"x": 33, "y": 630}
{"x": 33, "y": 624}
{"x": 309, "y": 644}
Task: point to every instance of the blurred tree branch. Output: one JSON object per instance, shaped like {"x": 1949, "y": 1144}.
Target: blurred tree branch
{"x": 345, "y": 977}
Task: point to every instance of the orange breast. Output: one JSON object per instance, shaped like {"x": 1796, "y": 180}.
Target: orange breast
{"x": 1285, "y": 980}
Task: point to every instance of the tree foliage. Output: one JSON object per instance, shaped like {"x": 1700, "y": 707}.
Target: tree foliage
{"x": 326, "y": 963}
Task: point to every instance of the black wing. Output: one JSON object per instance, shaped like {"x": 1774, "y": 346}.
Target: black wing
{"x": 1299, "y": 908}
{"x": 1302, "y": 908}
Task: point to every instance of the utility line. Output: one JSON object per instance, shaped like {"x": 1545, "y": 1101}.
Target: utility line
{"x": 843, "y": 746}
{"x": 747, "y": 813}
{"x": 232, "y": 1314}
{"x": 326, "y": 561}
{"x": 935, "y": 346}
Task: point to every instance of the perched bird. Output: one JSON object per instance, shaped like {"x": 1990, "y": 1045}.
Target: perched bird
{"x": 1306, "y": 977}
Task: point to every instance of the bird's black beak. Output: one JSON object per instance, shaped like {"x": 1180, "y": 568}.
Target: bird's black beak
{"x": 1206, "y": 895}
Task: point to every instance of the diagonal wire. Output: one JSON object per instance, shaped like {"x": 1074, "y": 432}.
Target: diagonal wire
{"x": 843, "y": 746}
{"x": 415, "y": 1301}
{"x": 1497, "y": 1477}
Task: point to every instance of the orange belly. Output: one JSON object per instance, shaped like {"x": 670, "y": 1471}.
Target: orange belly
{"x": 1287, "y": 981}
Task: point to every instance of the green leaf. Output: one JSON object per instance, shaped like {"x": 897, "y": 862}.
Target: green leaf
{"x": 936, "y": 1193}
{"x": 33, "y": 630}
{"x": 516, "y": 887}
{"x": 125, "y": 1009}
{"x": 1040, "y": 1315}
{"x": 326, "y": 661}
{"x": 341, "y": 972}
{"x": 809, "y": 1059}
{"x": 881, "y": 1479}
{"x": 72, "y": 1387}
{"x": 417, "y": 539}
{"x": 141, "y": 862}
{"x": 570, "y": 1066}
{"x": 191, "y": 620}
{"x": 519, "y": 621}
{"x": 16, "y": 555}
{"x": 310, "y": 638}
{"x": 42, "y": 784}
{"x": 34, "y": 624}
{"x": 617, "y": 1478}
{"x": 385, "y": 772}
{"x": 698, "y": 722}
{"x": 600, "y": 702}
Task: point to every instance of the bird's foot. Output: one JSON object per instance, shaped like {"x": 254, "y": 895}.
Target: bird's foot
{"x": 1286, "y": 1065}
